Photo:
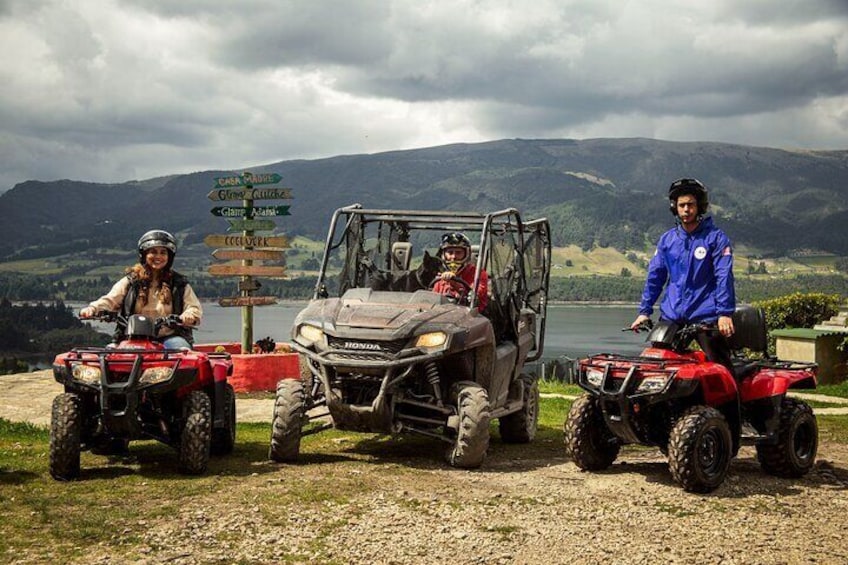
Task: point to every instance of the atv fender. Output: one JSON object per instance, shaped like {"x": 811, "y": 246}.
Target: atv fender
{"x": 718, "y": 385}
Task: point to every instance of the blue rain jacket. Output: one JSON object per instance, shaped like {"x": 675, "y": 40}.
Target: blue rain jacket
{"x": 696, "y": 270}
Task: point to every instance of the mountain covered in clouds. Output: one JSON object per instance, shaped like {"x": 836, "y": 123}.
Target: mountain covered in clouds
{"x": 609, "y": 192}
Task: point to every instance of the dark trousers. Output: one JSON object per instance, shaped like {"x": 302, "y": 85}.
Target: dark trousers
{"x": 716, "y": 349}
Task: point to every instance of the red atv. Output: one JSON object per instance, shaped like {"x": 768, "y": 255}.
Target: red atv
{"x": 694, "y": 410}
{"x": 137, "y": 389}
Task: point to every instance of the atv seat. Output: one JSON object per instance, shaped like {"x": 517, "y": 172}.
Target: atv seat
{"x": 749, "y": 330}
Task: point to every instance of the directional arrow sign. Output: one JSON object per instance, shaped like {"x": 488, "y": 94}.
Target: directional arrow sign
{"x": 249, "y": 285}
{"x": 248, "y": 254}
{"x": 246, "y": 240}
{"x": 250, "y": 194}
{"x": 247, "y": 179}
{"x": 248, "y": 301}
{"x": 255, "y": 212}
{"x": 251, "y": 225}
{"x": 242, "y": 270}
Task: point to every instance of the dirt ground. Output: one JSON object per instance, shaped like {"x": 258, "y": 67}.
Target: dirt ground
{"x": 521, "y": 507}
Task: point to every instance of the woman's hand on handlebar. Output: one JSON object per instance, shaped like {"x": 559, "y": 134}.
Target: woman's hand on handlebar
{"x": 188, "y": 319}
{"x": 87, "y": 312}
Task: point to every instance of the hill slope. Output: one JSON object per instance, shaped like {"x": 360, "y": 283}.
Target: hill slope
{"x": 600, "y": 191}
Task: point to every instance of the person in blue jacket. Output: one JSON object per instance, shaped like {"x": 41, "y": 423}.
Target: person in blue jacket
{"x": 694, "y": 263}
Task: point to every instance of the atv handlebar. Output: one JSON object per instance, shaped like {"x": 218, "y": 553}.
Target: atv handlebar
{"x": 172, "y": 321}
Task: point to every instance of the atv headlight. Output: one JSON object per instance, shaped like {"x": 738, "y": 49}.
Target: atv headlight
{"x": 310, "y": 334}
{"x": 653, "y": 383}
{"x": 432, "y": 339}
{"x": 86, "y": 374}
{"x": 594, "y": 376}
{"x": 155, "y": 375}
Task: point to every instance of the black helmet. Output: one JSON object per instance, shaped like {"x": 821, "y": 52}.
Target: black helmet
{"x": 688, "y": 186}
{"x": 455, "y": 239}
{"x": 157, "y": 238}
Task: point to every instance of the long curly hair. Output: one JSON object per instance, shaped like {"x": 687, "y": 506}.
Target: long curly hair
{"x": 144, "y": 275}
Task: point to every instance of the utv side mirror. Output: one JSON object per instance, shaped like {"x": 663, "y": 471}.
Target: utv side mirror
{"x": 322, "y": 291}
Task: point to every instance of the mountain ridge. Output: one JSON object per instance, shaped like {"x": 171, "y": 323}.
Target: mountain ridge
{"x": 604, "y": 191}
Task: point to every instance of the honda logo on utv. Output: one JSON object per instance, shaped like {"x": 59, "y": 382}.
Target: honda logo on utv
{"x": 362, "y": 346}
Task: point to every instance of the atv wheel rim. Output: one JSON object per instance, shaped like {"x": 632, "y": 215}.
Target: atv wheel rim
{"x": 803, "y": 441}
{"x": 711, "y": 452}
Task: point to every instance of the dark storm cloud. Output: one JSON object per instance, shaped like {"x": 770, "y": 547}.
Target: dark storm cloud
{"x": 116, "y": 89}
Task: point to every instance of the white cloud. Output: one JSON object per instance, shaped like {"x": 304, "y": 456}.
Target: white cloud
{"x": 109, "y": 90}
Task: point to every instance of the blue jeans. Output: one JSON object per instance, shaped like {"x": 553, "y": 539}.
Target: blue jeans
{"x": 176, "y": 342}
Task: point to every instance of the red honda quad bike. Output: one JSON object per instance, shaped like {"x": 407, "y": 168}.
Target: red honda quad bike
{"x": 137, "y": 389}
{"x": 694, "y": 410}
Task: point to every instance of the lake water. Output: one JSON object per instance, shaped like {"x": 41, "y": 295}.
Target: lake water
{"x": 571, "y": 330}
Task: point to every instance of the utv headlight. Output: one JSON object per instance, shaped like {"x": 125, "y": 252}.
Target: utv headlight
{"x": 594, "y": 377}
{"x": 432, "y": 339}
{"x": 155, "y": 375}
{"x": 86, "y": 374}
{"x": 310, "y": 334}
{"x": 653, "y": 383}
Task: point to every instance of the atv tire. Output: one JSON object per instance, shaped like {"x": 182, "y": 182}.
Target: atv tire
{"x": 472, "y": 436}
{"x": 287, "y": 424}
{"x": 520, "y": 427}
{"x": 700, "y": 448}
{"x": 795, "y": 452}
{"x": 224, "y": 439}
{"x": 196, "y": 436}
{"x": 588, "y": 441}
{"x": 65, "y": 433}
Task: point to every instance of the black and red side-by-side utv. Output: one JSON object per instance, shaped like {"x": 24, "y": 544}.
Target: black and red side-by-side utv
{"x": 137, "y": 389}
{"x": 695, "y": 410}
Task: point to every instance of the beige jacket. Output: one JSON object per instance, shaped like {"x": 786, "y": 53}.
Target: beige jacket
{"x": 113, "y": 299}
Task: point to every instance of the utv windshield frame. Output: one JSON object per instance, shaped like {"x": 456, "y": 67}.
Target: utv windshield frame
{"x": 519, "y": 270}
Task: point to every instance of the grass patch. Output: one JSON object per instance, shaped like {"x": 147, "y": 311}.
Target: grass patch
{"x": 833, "y": 428}
{"x": 840, "y": 390}
{"x": 556, "y": 387}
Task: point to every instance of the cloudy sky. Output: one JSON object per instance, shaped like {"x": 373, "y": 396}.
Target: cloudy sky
{"x": 114, "y": 90}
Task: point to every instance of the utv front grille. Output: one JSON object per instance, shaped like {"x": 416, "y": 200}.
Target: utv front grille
{"x": 365, "y": 349}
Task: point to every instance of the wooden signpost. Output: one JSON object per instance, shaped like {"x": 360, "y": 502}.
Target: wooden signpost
{"x": 254, "y": 254}
{"x": 250, "y": 212}
{"x": 248, "y": 301}
{"x": 255, "y": 270}
{"x": 245, "y": 248}
{"x": 251, "y": 225}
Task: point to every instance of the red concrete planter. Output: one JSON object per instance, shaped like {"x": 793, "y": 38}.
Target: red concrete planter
{"x": 256, "y": 371}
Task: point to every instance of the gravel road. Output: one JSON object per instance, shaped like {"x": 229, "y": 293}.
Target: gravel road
{"x": 405, "y": 507}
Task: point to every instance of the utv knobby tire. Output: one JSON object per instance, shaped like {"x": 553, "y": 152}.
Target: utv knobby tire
{"x": 588, "y": 441}
{"x": 65, "y": 434}
{"x": 287, "y": 423}
{"x": 196, "y": 436}
{"x": 700, "y": 448}
{"x": 520, "y": 427}
{"x": 224, "y": 439}
{"x": 798, "y": 439}
{"x": 472, "y": 437}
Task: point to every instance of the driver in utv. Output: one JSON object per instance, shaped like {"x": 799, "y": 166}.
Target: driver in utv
{"x": 151, "y": 288}
{"x": 694, "y": 262}
{"x": 458, "y": 279}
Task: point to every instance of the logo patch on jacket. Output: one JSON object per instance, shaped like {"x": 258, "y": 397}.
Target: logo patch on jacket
{"x": 700, "y": 252}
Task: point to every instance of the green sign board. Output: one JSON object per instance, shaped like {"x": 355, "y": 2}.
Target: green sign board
{"x": 250, "y": 194}
{"x": 247, "y": 179}
{"x": 251, "y": 225}
{"x": 255, "y": 212}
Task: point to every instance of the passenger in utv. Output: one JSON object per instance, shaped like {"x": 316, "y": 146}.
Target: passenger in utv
{"x": 153, "y": 289}
{"x": 694, "y": 262}
{"x": 457, "y": 280}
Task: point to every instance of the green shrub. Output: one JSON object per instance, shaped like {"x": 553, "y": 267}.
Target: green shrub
{"x": 799, "y": 310}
